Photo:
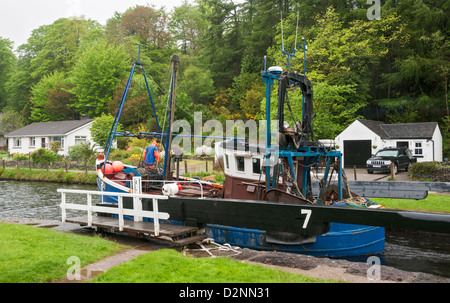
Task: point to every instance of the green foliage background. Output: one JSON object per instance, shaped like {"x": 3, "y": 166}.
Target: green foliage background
{"x": 394, "y": 69}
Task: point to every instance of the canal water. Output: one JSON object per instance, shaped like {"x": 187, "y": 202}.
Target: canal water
{"x": 410, "y": 251}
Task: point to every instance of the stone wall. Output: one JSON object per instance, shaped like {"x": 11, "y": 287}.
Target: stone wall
{"x": 431, "y": 171}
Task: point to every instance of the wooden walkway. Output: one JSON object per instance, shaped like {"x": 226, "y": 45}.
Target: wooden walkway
{"x": 181, "y": 235}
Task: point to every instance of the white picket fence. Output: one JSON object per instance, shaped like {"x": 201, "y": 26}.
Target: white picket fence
{"x": 136, "y": 212}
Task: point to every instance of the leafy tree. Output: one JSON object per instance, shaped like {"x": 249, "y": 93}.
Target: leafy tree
{"x": 198, "y": 84}
{"x": 61, "y": 41}
{"x": 101, "y": 129}
{"x": 223, "y": 48}
{"x": 7, "y": 61}
{"x": 147, "y": 24}
{"x": 187, "y": 26}
{"x": 52, "y": 100}
{"x": 99, "y": 69}
{"x": 9, "y": 121}
{"x": 137, "y": 108}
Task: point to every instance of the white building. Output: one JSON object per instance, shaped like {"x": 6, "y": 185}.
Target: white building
{"x": 363, "y": 138}
{"x": 39, "y": 135}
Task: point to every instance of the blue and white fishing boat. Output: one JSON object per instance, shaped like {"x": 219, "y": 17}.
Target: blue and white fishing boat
{"x": 276, "y": 173}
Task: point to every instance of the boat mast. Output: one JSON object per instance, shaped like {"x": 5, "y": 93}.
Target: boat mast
{"x": 173, "y": 88}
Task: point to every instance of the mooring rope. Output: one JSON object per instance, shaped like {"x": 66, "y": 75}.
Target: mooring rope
{"x": 220, "y": 247}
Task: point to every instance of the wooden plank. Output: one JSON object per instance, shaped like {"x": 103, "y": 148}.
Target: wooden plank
{"x": 190, "y": 240}
{"x": 168, "y": 230}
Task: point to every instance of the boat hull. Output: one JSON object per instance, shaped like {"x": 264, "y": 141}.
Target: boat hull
{"x": 343, "y": 240}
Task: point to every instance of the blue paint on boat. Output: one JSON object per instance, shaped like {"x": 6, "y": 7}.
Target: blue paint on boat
{"x": 342, "y": 240}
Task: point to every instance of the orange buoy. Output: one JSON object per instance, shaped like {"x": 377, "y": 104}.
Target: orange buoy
{"x": 108, "y": 169}
{"x": 118, "y": 166}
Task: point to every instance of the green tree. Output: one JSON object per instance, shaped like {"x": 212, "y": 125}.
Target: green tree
{"x": 60, "y": 43}
{"x": 51, "y": 99}
{"x": 7, "y": 61}
{"x": 187, "y": 26}
{"x": 101, "y": 129}
{"x": 9, "y": 121}
{"x": 222, "y": 43}
{"x": 137, "y": 108}
{"x": 98, "y": 70}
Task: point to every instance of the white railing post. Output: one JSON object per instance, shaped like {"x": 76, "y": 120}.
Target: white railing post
{"x": 120, "y": 211}
{"x": 63, "y": 207}
{"x": 89, "y": 202}
{"x": 137, "y": 202}
{"x": 156, "y": 216}
{"x": 121, "y": 220}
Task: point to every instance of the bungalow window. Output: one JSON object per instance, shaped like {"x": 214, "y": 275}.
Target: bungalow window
{"x": 418, "y": 149}
{"x": 32, "y": 142}
{"x": 80, "y": 139}
{"x": 17, "y": 142}
{"x": 240, "y": 164}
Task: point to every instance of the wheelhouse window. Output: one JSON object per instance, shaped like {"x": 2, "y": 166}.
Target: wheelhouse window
{"x": 227, "y": 161}
{"x": 240, "y": 164}
{"x": 256, "y": 163}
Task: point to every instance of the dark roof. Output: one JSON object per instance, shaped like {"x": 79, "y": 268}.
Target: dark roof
{"x": 56, "y": 128}
{"x": 423, "y": 130}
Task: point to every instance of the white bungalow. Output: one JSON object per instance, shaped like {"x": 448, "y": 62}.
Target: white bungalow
{"x": 363, "y": 138}
{"x": 39, "y": 135}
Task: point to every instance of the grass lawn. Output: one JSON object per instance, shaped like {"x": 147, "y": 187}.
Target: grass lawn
{"x": 170, "y": 266}
{"x": 34, "y": 255}
{"x": 433, "y": 203}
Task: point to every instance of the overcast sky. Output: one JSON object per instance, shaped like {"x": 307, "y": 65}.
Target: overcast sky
{"x": 18, "y": 18}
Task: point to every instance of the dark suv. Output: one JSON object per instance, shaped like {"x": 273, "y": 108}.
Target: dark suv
{"x": 381, "y": 161}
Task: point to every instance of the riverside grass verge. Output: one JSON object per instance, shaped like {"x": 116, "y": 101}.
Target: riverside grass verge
{"x": 432, "y": 203}
{"x": 59, "y": 176}
{"x": 170, "y": 266}
{"x": 34, "y": 255}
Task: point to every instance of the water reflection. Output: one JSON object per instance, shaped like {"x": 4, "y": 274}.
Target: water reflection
{"x": 34, "y": 200}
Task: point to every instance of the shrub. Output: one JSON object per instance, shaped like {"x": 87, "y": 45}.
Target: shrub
{"x": 20, "y": 157}
{"x": 43, "y": 156}
{"x": 423, "y": 167}
{"x": 55, "y": 146}
{"x": 119, "y": 155}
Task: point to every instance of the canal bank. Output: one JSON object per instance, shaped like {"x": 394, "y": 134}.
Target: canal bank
{"x": 324, "y": 268}
{"x": 54, "y": 176}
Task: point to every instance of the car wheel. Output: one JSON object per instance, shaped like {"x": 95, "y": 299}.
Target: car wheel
{"x": 395, "y": 169}
{"x": 370, "y": 171}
